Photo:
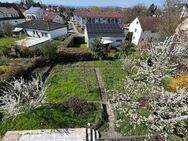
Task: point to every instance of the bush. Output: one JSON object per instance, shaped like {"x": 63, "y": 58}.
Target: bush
{"x": 3, "y": 60}
{"x": 75, "y": 54}
{"x": 3, "y": 69}
{"x": 99, "y": 50}
{"x": 78, "y": 105}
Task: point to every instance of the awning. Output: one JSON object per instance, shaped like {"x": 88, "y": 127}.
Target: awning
{"x": 104, "y": 42}
{"x": 17, "y": 29}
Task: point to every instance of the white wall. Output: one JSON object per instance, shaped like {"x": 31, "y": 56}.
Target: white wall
{"x": 58, "y": 19}
{"x": 58, "y": 32}
{"x": 38, "y": 15}
{"x": 49, "y": 34}
{"x": 114, "y": 40}
{"x": 12, "y": 22}
{"x": 136, "y": 29}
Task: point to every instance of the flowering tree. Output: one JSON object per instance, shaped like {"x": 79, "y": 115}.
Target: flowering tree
{"x": 20, "y": 95}
{"x": 167, "y": 111}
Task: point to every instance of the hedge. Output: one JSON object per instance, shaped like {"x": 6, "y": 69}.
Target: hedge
{"x": 75, "y": 54}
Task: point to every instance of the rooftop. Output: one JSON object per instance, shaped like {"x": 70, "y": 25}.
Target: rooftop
{"x": 32, "y": 10}
{"x": 41, "y": 25}
{"x": 150, "y": 23}
{"x": 104, "y": 30}
{"x": 99, "y": 13}
{"x": 10, "y": 8}
{"x": 71, "y": 134}
{"x": 50, "y": 16}
{"x": 31, "y": 41}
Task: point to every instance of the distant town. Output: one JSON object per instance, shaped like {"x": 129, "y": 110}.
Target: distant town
{"x": 93, "y": 73}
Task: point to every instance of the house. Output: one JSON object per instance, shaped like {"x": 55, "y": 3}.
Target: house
{"x": 42, "y": 28}
{"x": 68, "y": 134}
{"x": 109, "y": 33}
{"x": 10, "y": 13}
{"x": 34, "y": 13}
{"x": 143, "y": 28}
{"x": 90, "y": 16}
{"x": 33, "y": 42}
{"x": 54, "y": 17}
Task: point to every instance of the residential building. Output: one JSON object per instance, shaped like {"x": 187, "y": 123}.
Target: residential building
{"x": 144, "y": 28}
{"x": 34, "y": 13}
{"x": 109, "y": 33}
{"x": 68, "y": 134}
{"x": 89, "y": 16}
{"x": 10, "y": 13}
{"x": 42, "y": 28}
{"x": 54, "y": 17}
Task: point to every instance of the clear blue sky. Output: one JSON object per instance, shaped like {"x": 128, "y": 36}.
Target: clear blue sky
{"x": 122, "y": 3}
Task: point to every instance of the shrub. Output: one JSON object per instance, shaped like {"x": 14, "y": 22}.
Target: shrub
{"x": 49, "y": 52}
{"x": 3, "y": 69}
{"x": 78, "y": 105}
{"x": 75, "y": 54}
{"x": 3, "y": 60}
{"x": 99, "y": 50}
{"x": 180, "y": 81}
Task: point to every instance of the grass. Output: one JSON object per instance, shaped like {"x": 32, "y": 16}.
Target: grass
{"x": 79, "y": 80}
{"x": 6, "y": 42}
{"x": 49, "y": 117}
{"x": 80, "y": 46}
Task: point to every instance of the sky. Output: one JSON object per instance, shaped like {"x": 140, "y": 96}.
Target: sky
{"x": 121, "y": 3}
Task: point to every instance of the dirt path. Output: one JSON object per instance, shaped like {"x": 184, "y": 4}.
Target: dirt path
{"x": 106, "y": 107}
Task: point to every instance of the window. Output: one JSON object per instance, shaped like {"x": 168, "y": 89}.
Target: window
{"x": 33, "y": 32}
{"x": 118, "y": 40}
{"x": 137, "y": 22}
{"x": 135, "y": 30}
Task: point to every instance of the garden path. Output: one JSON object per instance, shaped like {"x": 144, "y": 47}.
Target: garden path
{"x": 108, "y": 111}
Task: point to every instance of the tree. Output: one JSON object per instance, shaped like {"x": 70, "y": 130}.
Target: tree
{"x": 171, "y": 18}
{"x": 20, "y": 95}
{"x": 152, "y": 9}
{"x": 99, "y": 49}
{"x": 7, "y": 29}
{"x": 49, "y": 51}
{"x": 125, "y": 48}
{"x": 165, "y": 112}
{"x": 130, "y": 14}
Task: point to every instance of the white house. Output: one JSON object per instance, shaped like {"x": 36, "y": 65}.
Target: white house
{"x": 109, "y": 33}
{"x": 54, "y": 17}
{"x": 42, "y": 28}
{"x": 83, "y": 17}
{"x": 34, "y": 13}
{"x": 145, "y": 28}
{"x": 10, "y": 13}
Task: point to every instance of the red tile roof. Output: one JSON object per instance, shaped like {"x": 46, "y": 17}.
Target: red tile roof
{"x": 99, "y": 13}
{"x": 150, "y": 23}
{"x": 11, "y": 6}
{"x": 8, "y": 10}
{"x": 50, "y": 16}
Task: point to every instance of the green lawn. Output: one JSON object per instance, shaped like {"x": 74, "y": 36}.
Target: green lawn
{"x": 6, "y": 42}
{"x": 79, "y": 80}
{"x": 50, "y": 117}
{"x": 67, "y": 80}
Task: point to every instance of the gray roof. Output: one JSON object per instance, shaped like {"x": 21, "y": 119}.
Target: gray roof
{"x": 104, "y": 30}
{"x": 32, "y": 10}
{"x": 41, "y": 25}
